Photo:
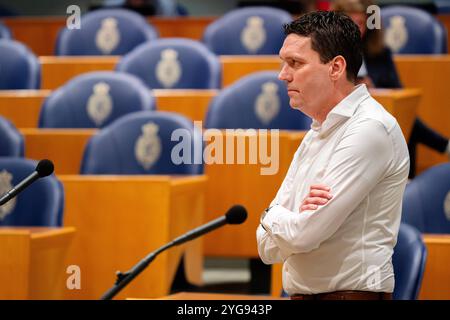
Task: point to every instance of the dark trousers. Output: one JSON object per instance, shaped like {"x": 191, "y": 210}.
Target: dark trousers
{"x": 422, "y": 134}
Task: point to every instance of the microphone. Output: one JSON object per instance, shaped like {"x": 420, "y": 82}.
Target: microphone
{"x": 235, "y": 215}
{"x": 44, "y": 168}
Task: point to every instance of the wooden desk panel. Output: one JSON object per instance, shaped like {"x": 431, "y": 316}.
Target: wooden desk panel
{"x": 402, "y": 104}
{"x": 121, "y": 219}
{"x": 40, "y": 33}
{"x": 236, "y": 67}
{"x": 193, "y": 104}
{"x": 33, "y": 262}
{"x": 244, "y": 184}
{"x": 436, "y": 279}
{"x": 432, "y": 75}
{"x": 22, "y": 107}
{"x": 56, "y": 71}
{"x": 65, "y": 147}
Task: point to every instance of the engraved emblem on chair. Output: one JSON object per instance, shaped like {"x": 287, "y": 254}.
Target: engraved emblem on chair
{"x": 253, "y": 36}
{"x": 168, "y": 69}
{"x": 148, "y": 146}
{"x": 447, "y": 206}
{"x": 5, "y": 186}
{"x": 108, "y": 36}
{"x": 100, "y": 105}
{"x": 267, "y": 104}
{"x": 396, "y": 35}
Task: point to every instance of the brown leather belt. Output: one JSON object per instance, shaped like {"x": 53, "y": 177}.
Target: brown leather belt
{"x": 344, "y": 295}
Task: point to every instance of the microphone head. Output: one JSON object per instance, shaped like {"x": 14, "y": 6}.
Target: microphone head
{"x": 237, "y": 214}
{"x": 44, "y": 168}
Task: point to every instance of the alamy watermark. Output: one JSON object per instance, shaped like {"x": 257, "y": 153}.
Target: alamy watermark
{"x": 73, "y": 281}
{"x": 74, "y": 19}
{"x": 373, "y": 17}
{"x": 228, "y": 146}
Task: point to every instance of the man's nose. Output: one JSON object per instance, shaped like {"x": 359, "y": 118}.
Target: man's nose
{"x": 284, "y": 75}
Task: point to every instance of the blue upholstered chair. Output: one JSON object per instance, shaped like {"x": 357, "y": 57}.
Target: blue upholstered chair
{"x": 94, "y": 100}
{"x": 426, "y": 202}
{"x": 11, "y": 141}
{"x": 141, "y": 143}
{"x": 409, "y": 259}
{"x": 258, "y": 101}
{"x": 19, "y": 67}
{"x": 410, "y": 30}
{"x": 5, "y": 33}
{"x": 173, "y": 63}
{"x": 250, "y": 30}
{"x": 105, "y": 32}
{"x": 41, "y": 204}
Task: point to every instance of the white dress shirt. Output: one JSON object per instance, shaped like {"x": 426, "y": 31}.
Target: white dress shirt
{"x": 360, "y": 153}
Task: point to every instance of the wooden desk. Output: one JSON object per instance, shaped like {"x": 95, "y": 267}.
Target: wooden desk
{"x": 436, "y": 279}
{"x": 432, "y": 75}
{"x": 40, "y": 33}
{"x": 121, "y": 219}
{"x": 32, "y": 265}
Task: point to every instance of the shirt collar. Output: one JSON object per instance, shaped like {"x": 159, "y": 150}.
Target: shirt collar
{"x": 344, "y": 109}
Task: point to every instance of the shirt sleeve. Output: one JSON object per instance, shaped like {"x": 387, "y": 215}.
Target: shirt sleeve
{"x": 361, "y": 159}
{"x": 267, "y": 249}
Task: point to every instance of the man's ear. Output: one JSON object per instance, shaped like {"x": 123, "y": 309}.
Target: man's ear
{"x": 338, "y": 67}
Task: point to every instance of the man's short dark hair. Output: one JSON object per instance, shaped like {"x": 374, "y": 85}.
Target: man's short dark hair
{"x": 332, "y": 34}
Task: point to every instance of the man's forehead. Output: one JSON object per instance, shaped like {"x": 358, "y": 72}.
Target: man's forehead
{"x": 294, "y": 45}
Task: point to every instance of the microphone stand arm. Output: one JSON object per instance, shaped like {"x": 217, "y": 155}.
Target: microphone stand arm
{"x": 123, "y": 279}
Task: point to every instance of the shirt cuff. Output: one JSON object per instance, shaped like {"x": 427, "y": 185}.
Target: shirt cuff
{"x": 267, "y": 222}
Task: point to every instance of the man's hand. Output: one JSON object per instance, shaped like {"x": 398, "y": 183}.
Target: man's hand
{"x": 319, "y": 194}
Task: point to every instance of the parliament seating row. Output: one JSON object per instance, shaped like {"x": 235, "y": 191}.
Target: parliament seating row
{"x": 416, "y": 31}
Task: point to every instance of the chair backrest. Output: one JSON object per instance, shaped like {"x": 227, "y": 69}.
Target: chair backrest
{"x": 260, "y": 100}
{"x": 19, "y": 67}
{"x": 146, "y": 142}
{"x": 409, "y": 259}
{"x": 426, "y": 202}
{"x": 41, "y": 204}
{"x": 11, "y": 140}
{"x": 94, "y": 100}
{"x": 250, "y": 30}
{"x": 105, "y": 32}
{"x": 411, "y": 30}
{"x": 173, "y": 63}
{"x": 5, "y": 32}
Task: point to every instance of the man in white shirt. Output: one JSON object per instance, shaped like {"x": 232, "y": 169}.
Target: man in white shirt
{"x": 335, "y": 219}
